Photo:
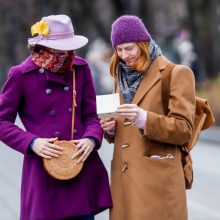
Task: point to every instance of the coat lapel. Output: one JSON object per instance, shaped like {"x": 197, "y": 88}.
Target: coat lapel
{"x": 152, "y": 76}
{"x": 150, "y": 79}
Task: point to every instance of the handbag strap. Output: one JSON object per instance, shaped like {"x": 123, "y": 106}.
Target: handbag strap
{"x": 74, "y": 103}
{"x": 165, "y": 86}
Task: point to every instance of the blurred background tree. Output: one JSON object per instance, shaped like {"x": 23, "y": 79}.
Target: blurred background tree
{"x": 187, "y": 30}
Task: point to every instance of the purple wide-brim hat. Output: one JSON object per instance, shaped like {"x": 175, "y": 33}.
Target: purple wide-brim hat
{"x": 61, "y": 34}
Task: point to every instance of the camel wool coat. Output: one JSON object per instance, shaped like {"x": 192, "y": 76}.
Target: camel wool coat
{"x": 147, "y": 180}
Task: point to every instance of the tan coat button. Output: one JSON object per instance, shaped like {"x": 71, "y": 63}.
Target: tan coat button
{"x": 125, "y": 167}
{"x": 125, "y": 145}
{"x": 126, "y": 123}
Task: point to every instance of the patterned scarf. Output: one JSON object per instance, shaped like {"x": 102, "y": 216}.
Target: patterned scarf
{"x": 53, "y": 62}
{"x": 129, "y": 79}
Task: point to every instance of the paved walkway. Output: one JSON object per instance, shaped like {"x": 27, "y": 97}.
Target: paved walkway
{"x": 10, "y": 174}
{"x": 211, "y": 135}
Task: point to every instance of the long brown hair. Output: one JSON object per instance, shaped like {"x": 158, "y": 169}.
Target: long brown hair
{"x": 142, "y": 63}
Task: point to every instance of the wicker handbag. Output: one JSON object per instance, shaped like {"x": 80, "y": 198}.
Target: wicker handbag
{"x": 64, "y": 167}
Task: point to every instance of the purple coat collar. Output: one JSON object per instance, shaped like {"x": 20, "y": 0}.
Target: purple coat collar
{"x": 28, "y": 66}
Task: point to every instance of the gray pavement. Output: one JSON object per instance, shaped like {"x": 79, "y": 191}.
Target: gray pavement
{"x": 211, "y": 135}
{"x": 203, "y": 199}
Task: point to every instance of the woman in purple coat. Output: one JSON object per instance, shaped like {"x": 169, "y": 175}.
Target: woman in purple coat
{"x": 40, "y": 90}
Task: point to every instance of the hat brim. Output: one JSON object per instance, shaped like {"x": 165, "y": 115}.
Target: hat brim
{"x": 72, "y": 43}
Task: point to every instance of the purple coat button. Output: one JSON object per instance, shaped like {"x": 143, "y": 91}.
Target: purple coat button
{"x": 57, "y": 134}
{"x": 41, "y": 70}
{"x": 70, "y": 110}
{"x": 52, "y": 113}
{"x": 48, "y": 91}
{"x": 66, "y": 88}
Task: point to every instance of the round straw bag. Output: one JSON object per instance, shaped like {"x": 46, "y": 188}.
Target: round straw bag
{"x": 63, "y": 167}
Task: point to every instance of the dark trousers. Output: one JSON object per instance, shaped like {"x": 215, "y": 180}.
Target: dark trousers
{"x": 88, "y": 217}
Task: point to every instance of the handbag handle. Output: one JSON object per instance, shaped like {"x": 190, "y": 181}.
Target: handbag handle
{"x": 74, "y": 103}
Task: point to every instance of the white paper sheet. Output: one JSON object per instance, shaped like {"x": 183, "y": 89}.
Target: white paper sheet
{"x": 107, "y": 104}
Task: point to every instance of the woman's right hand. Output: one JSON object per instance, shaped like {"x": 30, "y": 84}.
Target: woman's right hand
{"x": 45, "y": 148}
{"x": 108, "y": 124}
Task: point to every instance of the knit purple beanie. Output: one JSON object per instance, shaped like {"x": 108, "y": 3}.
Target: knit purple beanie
{"x": 128, "y": 28}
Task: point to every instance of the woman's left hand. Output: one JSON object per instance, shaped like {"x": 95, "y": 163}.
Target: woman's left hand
{"x": 129, "y": 111}
{"x": 85, "y": 147}
{"x": 135, "y": 114}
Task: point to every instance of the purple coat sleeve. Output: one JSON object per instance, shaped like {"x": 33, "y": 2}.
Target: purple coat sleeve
{"x": 10, "y": 103}
{"x": 91, "y": 121}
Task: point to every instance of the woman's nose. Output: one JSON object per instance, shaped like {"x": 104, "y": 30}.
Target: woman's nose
{"x": 124, "y": 55}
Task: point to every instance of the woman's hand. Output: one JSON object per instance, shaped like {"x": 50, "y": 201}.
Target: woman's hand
{"x": 129, "y": 111}
{"x": 45, "y": 148}
{"x": 85, "y": 147}
{"x": 108, "y": 124}
{"x": 135, "y": 114}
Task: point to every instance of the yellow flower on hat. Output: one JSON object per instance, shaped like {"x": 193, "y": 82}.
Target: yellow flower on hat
{"x": 41, "y": 28}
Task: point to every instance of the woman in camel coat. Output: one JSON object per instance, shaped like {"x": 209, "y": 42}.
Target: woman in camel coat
{"x": 147, "y": 180}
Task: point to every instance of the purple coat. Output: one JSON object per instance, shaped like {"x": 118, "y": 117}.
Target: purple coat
{"x": 43, "y": 101}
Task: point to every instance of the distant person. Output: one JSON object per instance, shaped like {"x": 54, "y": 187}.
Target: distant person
{"x": 186, "y": 53}
{"x": 99, "y": 56}
{"x": 147, "y": 180}
{"x": 41, "y": 91}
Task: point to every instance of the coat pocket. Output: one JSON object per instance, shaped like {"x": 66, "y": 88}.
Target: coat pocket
{"x": 159, "y": 157}
{"x": 158, "y": 171}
